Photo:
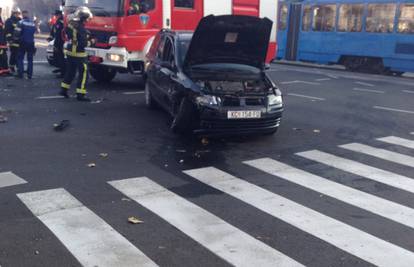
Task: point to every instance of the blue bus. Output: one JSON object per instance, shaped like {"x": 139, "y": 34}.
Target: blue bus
{"x": 363, "y": 35}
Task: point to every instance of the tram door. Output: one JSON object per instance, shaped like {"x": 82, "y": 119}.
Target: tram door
{"x": 293, "y": 28}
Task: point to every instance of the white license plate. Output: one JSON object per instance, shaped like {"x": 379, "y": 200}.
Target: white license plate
{"x": 244, "y": 114}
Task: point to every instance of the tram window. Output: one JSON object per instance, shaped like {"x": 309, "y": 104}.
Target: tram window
{"x": 306, "y": 18}
{"x": 380, "y": 18}
{"x": 184, "y": 4}
{"x": 283, "y": 14}
{"x": 324, "y": 18}
{"x": 350, "y": 18}
{"x": 406, "y": 18}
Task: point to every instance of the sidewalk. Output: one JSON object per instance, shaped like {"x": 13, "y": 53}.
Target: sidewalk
{"x": 319, "y": 66}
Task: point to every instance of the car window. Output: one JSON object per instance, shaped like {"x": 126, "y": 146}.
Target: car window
{"x": 154, "y": 45}
{"x": 160, "y": 48}
{"x": 168, "y": 53}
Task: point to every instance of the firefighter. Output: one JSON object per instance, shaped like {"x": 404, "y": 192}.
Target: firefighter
{"x": 10, "y": 25}
{"x": 76, "y": 56}
{"x": 4, "y": 68}
{"x": 24, "y": 32}
{"x": 56, "y": 34}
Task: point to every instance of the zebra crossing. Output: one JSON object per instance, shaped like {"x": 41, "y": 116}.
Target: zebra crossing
{"x": 94, "y": 242}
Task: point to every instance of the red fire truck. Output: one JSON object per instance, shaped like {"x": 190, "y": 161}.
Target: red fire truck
{"x": 124, "y": 29}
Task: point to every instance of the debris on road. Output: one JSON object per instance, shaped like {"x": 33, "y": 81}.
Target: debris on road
{"x": 134, "y": 220}
{"x": 297, "y": 129}
{"x": 58, "y": 127}
{"x": 181, "y": 150}
{"x": 36, "y": 252}
{"x": 125, "y": 199}
{"x": 103, "y": 155}
{"x": 316, "y": 131}
{"x": 3, "y": 119}
{"x": 91, "y": 165}
{"x": 204, "y": 141}
{"x": 181, "y": 161}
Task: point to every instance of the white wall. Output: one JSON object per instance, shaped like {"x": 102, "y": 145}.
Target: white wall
{"x": 217, "y": 7}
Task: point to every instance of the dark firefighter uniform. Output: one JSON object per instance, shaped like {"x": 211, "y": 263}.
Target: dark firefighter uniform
{"x": 76, "y": 60}
{"x": 24, "y": 32}
{"x": 4, "y": 66}
{"x": 14, "y": 45}
{"x": 56, "y": 34}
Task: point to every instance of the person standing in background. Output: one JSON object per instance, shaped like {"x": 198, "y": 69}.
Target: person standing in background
{"x": 4, "y": 68}
{"x": 56, "y": 34}
{"x": 24, "y": 32}
{"x": 10, "y": 25}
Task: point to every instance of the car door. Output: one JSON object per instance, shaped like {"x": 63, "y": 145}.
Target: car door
{"x": 154, "y": 70}
{"x": 167, "y": 73}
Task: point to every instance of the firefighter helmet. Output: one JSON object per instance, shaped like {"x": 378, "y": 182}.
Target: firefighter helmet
{"x": 82, "y": 13}
{"x": 16, "y": 10}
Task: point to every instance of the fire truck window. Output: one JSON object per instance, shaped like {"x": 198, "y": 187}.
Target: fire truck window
{"x": 381, "y": 18}
{"x": 140, "y": 6}
{"x": 306, "y": 18}
{"x": 350, "y": 18}
{"x": 283, "y": 15}
{"x": 184, "y": 3}
{"x": 324, "y": 18}
{"x": 406, "y": 19}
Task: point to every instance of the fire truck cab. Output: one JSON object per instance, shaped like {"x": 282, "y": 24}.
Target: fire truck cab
{"x": 124, "y": 29}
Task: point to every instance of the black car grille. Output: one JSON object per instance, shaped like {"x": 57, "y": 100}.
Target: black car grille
{"x": 245, "y": 124}
{"x": 239, "y": 102}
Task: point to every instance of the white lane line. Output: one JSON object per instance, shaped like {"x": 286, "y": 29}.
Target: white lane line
{"x": 306, "y": 96}
{"x": 368, "y": 90}
{"x": 298, "y": 81}
{"x": 50, "y": 97}
{"x": 365, "y": 84}
{"x": 323, "y": 79}
{"x": 39, "y": 62}
{"x": 223, "y": 239}
{"x": 408, "y": 91}
{"x": 341, "y": 235}
{"x": 133, "y": 93}
{"x": 10, "y": 179}
{"x": 90, "y": 239}
{"x": 385, "y": 177}
{"x": 381, "y": 153}
{"x": 394, "y": 109}
{"x": 398, "y": 141}
{"x": 385, "y": 208}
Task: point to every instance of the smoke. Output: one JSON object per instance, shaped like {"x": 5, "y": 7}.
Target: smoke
{"x": 40, "y": 8}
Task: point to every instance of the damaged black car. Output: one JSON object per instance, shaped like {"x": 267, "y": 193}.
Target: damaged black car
{"x": 213, "y": 81}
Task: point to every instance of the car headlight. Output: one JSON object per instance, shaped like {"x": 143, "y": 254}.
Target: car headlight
{"x": 113, "y": 40}
{"x": 115, "y": 57}
{"x": 275, "y": 100}
{"x": 208, "y": 100}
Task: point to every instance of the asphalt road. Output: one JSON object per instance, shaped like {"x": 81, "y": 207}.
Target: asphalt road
{"x": 292, "y": 198}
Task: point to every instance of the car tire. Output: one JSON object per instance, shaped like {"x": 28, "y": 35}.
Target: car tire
{"x": 184, "y": 120}
{"x": 149, "y": 99}
{"x": 102, "y": 74}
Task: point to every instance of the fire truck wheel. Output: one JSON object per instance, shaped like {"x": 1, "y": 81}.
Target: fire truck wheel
{"x": 102, "y": 73}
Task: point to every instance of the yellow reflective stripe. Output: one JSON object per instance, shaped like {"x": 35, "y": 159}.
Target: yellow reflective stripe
{"x": 74, "y": 40}
{"x": 8, "y": 35}
{"x": 65, "y": 85}
{"x": 15, "y": 45}
{"x": 76, "y": 54}
{"x": 81, "y": 91}
{"x": 85, "y": 75}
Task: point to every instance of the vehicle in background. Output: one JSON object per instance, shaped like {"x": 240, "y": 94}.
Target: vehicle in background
{"x": 124, "y": 31}
{"x": 50, "y": 55}
{"x": 213, "y": 82}
{"x": 363, "y": 35}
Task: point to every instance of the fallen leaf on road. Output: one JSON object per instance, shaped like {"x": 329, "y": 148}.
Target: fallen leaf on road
{"x": 134, "y": 220}
{"x": 91, "y": 165}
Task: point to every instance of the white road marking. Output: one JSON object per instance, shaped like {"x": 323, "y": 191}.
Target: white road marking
{"x": 412, "y": 133}
{"x": 133, "y": 93}
{"x": 385, "y": 208}
{"x": 50, "y": 97}
{"x": 381, "y": 153}
{"x": 323, "y": 79}
{"x": 298, "y": 81}
{"x": 91, "y": 240}
{"x": 398, "y": 141}
{"x": 385, "y": 177}
{"x": 368, "y": 90}
{"x": 223, "y": 239}
{"x": 341, "y": 235}
{"x": 306, "y": 96}
{"x": 408, "y": 91}
{"x": 394, "y": 109}
{"x": 39, "y": 62}
{"x": 365, "y": 84}
{"x": 10, "y": 179}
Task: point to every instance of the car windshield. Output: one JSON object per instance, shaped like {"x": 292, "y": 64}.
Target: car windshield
{"x": 183, "y": 45}
{"x": 99, "y": 8}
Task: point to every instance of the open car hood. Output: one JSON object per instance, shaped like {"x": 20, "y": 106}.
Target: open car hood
{"x": 230, "y": 39}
